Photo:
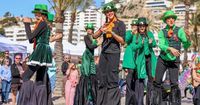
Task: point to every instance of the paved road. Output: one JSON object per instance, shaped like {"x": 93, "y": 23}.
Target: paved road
{"x": 61, "y": 101}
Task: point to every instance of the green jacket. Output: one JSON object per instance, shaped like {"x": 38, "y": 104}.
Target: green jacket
{"x": 128, "y": 61}
{"x": 147, "y": 49}
{"x": 163, "y": 43}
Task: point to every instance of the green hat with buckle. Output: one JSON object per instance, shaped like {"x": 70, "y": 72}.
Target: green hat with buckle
{"x": 89, "y": 26}
{"x": 40, "y": 8}
{"x": 142, "y": 21}
{"x": 169, "y": 14}
{"x": 50, "y": 17}
{"x": 134, "y": 22}
{"x": 109, "y": 7}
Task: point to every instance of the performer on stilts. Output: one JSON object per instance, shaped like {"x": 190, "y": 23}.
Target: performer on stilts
{"x": 150, "y": 57}
{"x": 37, "y": 93}
{"x": 113, "y": 32}
{"x": 86, "y": 91}
{"x": 132, "y": 45}
{"x": 170, "y": 39}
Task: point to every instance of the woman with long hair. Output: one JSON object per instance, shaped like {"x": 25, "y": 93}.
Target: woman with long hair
{"x": 71, "y": 83}
{"x": 5, "y": 76}
{"x": 146, "y": 61}
{"x": 37, "y": 93}
{"x": 113, "y": 32}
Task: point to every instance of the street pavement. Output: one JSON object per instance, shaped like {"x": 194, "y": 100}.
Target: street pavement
{"x": 58, "y": 100}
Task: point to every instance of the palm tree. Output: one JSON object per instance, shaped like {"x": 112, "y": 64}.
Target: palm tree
{"x": 59, "y": 6}
{"x": 195, "y": 23}
{"x": 74, "y": 5}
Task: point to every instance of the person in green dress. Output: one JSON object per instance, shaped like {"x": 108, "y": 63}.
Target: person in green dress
{"x": 37, "y": 93}
{"x": 129, "y": 62}
{"x": 170, "y": 40}
{"x": 86, "y": 92}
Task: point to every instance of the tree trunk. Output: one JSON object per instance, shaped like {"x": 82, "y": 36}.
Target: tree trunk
{"x": 59, "y": 52}
{"x": 196, "y": 38}
{"x": 171, "y": 6}
{"x": 73, "y": 18}
{"x": 187, "y": 7}
{"x": 58, "y": 45}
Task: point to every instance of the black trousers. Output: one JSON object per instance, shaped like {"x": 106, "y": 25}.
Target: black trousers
{"x": 108, "y": 92}
{"x": 150, "y": 79}
{"x": 173, "y": 68}
{"x": 40, "y": 73}
{"x": 42, "y": 79}
{"x": 130, "y": 87}
{"x": 162, "y": 66}
{"x": 139, "y": 91}
{"x": 196, "y": 98}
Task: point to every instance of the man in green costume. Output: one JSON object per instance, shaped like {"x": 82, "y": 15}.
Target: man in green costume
{"x": 129, "y": 63}
{"x": 170, "y": 40}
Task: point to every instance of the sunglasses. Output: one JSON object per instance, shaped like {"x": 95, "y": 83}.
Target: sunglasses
{"x": 17, "y": 58}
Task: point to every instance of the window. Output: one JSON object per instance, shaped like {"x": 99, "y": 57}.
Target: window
{"x": 20, "y": 39}
{"x": 20, "y": 35}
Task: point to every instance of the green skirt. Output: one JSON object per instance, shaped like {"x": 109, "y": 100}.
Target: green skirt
{"x": 88, "y": 66}
{"x": 41, "y": 55}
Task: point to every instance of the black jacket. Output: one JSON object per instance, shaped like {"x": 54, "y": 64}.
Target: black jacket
{"x": 15, "y": 74}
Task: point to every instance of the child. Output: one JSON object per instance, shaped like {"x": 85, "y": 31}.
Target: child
{"x": 70, "y": 86}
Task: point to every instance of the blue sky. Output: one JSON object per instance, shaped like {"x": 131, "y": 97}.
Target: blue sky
{"x": 24, "y": 7}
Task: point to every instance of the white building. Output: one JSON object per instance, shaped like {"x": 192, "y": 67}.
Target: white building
{"x": 180, "y": 12}
{"x": 16, "y": 33}
{"x": 90, "y": 15}
{"x": 157, "y": 4}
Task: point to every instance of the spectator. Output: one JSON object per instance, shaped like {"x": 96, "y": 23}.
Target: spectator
{"x": 52, "y": 73}
{"x": 71, "y": 83}
{"x": 1, "y": 60}
{"x": 65, "y": 64}
{"x": 24, "y": 65}
{"x": 16, "y": 72}
{"x": 5, "y": 75}
{"x": 7, "y": 56}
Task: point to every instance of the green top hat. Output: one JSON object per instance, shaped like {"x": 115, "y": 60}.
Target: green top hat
{"x": 89, "y": 26}
{"x": 109, "y": 7}
{"x": 142, "y": 21}
{"x": 40, "y": 8}
{"x": 50, "y": 17}
{"x": 168, "y": 14}
{"x": 134, "y": 22}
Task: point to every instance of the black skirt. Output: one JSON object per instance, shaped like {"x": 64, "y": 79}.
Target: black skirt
{"x": 35, "y": 93}
{"x": 86, "y": 91}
